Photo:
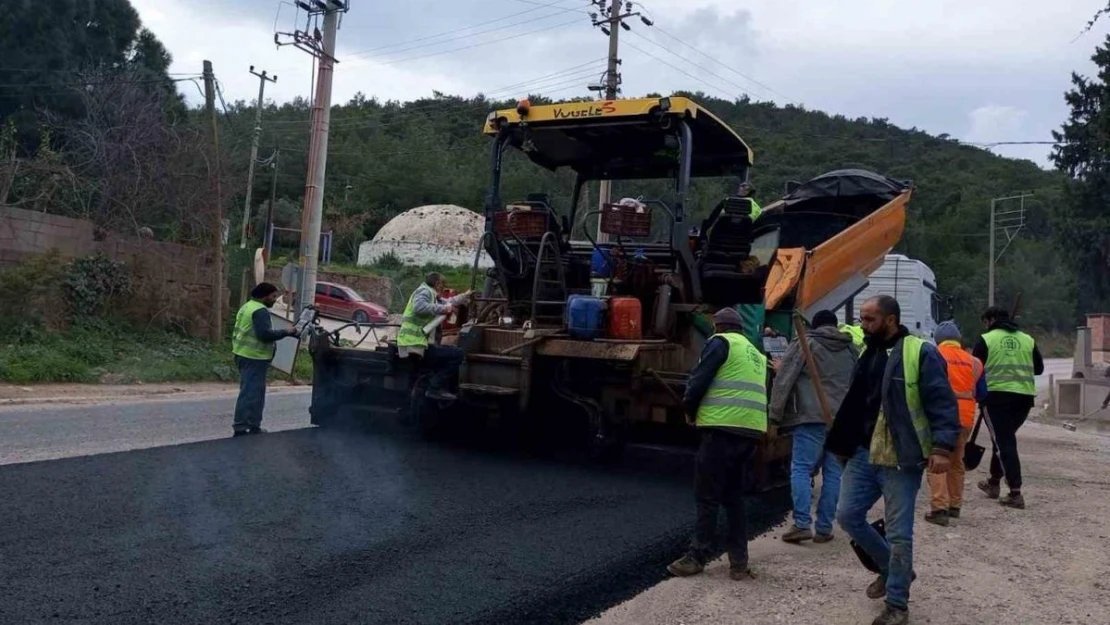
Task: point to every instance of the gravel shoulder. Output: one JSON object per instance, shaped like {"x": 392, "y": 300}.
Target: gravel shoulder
{"x": 1046, "y": 564}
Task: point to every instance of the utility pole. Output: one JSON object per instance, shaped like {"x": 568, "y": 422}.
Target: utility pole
{"x": 610, "y": 20}
{"x": 322, "y": 46}
{"x": 216, "y": 319}
{"x": 268, "y": 242}
{"x": 262, "y": 80}
{"x": 1010, "y": 222}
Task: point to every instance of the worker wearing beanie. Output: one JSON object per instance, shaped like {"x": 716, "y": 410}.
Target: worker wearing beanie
{"x": 726, "y": 397}
{"x": 965, "y": 374}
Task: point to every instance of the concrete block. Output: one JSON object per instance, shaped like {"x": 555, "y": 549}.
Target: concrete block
{"x": 1079, "y": 397}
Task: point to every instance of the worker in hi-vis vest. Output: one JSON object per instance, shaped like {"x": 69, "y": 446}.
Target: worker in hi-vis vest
{"x": 747, "y": 191}
{"x": 252, "y": 342}
{"x": 899, "y": 417}
{"x": 416, "y": 338}
{"x": 1011, "y": 361}
{"x": 726, "y": 398}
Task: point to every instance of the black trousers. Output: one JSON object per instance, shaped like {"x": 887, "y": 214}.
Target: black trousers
{"x": 1007, "y": 412}
{"x": 444, "y": 361}
{"x": 720, "y": 467}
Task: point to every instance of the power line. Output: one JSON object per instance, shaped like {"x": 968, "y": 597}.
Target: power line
{"x": 408, "y": 46}
{"x": 479, "y": 44}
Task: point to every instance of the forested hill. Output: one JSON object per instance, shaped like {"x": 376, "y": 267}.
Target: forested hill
{"x": 388, "y": 157}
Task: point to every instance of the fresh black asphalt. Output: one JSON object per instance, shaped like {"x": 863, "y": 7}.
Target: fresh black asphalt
{"x": 315, "y": 526}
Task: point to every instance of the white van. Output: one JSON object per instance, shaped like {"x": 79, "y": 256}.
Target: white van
{"x": 913, "y": 284}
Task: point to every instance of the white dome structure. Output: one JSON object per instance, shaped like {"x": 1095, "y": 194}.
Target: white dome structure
{"x": 441, "y": 233}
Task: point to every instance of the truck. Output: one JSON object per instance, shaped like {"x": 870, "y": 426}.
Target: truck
{"x": 913, "y": 284}
{"x": 530, "y": 365}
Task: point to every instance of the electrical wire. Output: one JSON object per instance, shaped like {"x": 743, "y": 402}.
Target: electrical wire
{"x": 409, "y": 45}
{"x": 479, "y": 44}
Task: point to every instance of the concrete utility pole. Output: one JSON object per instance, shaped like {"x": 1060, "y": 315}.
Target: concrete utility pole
{"x": 262, "y": 80}
{"x": 216, "y": 318}
{"x": 610, "y": 20}
{"x": 322, "y": 46}
{"x": 267, "y": 241}
{"x": 1011, "y": 222}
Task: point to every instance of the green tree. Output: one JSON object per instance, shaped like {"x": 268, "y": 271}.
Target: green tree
{"x": 1084, "y": 155}
{"x": 48, "y": 48}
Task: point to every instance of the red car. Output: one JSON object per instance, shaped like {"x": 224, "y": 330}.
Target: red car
{"x": 343, "y": 302}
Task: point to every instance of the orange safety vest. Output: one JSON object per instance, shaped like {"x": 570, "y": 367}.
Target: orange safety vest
{"x": 964, "y": 371}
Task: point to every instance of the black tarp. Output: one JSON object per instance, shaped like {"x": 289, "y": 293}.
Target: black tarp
{"x": 826, "y": 205}
{"x": 848, "y": 183}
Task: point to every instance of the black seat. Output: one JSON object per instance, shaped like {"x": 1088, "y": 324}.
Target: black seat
{"x": 727, "y": 233}
{"x": 726, "y": 242}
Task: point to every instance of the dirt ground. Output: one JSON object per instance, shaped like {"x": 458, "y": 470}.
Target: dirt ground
{"x": 1049, "y": 563}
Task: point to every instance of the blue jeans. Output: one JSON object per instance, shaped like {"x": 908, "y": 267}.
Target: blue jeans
{"x": 252, "y": 393}
{"x": 862, "y": 485}
{"x": 808, "y": 452}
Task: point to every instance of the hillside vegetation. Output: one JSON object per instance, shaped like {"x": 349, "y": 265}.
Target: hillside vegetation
{"x": 387, "y": 157}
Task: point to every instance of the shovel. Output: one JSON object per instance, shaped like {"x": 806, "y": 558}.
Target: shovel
{"x": 973, "y": 452}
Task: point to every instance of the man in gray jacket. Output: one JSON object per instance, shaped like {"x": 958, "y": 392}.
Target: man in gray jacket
{"x": 794, "y": 407}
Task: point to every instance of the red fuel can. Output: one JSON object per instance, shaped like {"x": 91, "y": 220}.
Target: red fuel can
{"x": 625, "y": 319}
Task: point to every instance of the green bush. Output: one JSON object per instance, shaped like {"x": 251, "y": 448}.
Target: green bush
{"x": 93, "y": 283}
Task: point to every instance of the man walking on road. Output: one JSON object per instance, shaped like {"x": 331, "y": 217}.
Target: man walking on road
{"x": 1012, "y": 361}
{"x": 899, "y": 415}
{"x": 252, "y": 342}
{"x": 965, "y": 374}
{"x": 726, "y": 397}
{"x": 795, "y": 407}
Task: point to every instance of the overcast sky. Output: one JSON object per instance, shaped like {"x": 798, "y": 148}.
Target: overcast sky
{"x": 982, "y": 71}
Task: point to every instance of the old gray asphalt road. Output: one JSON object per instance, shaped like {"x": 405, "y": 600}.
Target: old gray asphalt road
{"x": 45, "y": 432}
{"x": 318, "y": 526}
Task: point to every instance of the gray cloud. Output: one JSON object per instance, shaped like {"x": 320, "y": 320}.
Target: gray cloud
{"x": 982, "y": 71}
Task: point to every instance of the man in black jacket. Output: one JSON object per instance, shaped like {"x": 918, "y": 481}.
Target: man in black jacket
{"x": 899, "y": 416}
{"x": 1011, "y": 361}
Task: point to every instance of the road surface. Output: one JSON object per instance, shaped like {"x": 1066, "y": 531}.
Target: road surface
{"x": 316, "y": 526}
{"x": 29, "y": 433}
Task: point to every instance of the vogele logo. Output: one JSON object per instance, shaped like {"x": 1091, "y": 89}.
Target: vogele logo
{"x": 593, "y": 110}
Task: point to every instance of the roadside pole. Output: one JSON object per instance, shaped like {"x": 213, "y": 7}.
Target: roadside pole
{"x": 216, "y": 331}
{"x": 262, "y": 80}
{"x": 322, "y": 46}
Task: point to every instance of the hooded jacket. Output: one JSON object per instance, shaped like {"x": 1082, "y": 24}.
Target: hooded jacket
{"x": 793, "y": 398}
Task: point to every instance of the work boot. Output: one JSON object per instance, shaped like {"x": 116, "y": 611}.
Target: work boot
{"x": 439, "y": 394}
{"x": 797, "y": 535}
{"x": 954, "y": 513}
{"x": 739, "y": 574}
{"x": 257, "y": 431}
{"x": 937, "y": 517}
{"x": 892, "y": 616}
{"x": 877, "y": 589}
{"x": 992, "y": 489}
{"x": 822, "y": 538}
{"x": 239, "y": 433}
{"x": 685, "y": 566}
{"x": 1013, "y": 500}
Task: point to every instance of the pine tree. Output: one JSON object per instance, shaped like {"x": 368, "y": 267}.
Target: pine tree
{"x": 1084, "y": 155}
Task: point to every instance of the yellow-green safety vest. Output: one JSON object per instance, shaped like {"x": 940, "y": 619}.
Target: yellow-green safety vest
{"x": 244, "y": 342}
{"x": 738, "y": 396}
{"x": 411, "y": 333}
{"x": 855, "y": 332}
{"x": 757, "y": 210}
{"x": 882, "y": 451}
{"x": 1010, "y": 362}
